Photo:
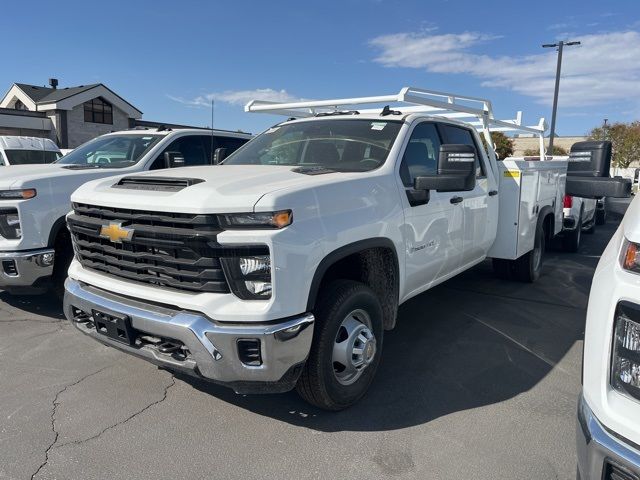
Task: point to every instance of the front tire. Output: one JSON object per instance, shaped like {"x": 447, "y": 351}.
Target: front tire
{"x": 346, "y": 348}
{"x": 62, "y": 260}
{"x": 601, "y": 217}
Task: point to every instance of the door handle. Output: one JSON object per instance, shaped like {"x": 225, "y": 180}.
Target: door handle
{"x": 456, "y": 199}
{"x": 493, "y": 192}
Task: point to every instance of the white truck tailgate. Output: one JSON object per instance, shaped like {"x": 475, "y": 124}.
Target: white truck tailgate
{"x": 526, "y": 187}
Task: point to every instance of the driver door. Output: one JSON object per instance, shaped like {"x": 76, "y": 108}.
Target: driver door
{"x": 433, "y": 229}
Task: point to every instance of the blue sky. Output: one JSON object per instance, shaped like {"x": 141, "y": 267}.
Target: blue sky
{"x": 170, "y": 58}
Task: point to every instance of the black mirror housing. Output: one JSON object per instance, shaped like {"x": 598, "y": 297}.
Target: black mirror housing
{"x": 173, "y": 160}
{"x": 456, "y": 170}
{"x": 590, "y": 159}
{"x": 219, "y": 155}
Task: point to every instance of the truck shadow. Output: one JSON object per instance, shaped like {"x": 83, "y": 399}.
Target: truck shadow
{"x": 470, "y": 342}
{"x": 47, "y": 305}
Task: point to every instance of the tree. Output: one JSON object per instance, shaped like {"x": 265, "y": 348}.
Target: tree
{"x": 534, "y": 152}
{"x": 625, "y": 142}
{"x": 503, "y": 144}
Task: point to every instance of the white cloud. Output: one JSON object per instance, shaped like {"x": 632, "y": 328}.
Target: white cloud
{"x": 605, "y": 68}
{"x": 238, "y": 97}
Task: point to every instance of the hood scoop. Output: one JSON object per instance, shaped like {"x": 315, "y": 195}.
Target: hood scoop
{"x": 157, "y": 184}
{"x": 313, "y": 170}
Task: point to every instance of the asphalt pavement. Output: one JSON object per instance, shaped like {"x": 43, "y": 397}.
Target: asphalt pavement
{"x": 479, "y": 380}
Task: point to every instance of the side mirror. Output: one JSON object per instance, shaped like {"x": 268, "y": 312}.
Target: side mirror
{"x": 456, "y": 170}
{"x": 219, "y": 155}
{"x": 588, "y": 172}
{"x": 173, "y": 160}
{"x": 590, "y": 159}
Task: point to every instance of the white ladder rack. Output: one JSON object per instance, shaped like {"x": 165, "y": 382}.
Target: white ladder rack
{"x": 477, "y": 112}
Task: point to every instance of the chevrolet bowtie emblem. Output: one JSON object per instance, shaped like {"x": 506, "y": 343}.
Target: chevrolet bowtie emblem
{"x": 116, "y": 232}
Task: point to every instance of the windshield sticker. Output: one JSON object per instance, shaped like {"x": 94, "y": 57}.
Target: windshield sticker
{"x": 378, "y": 125}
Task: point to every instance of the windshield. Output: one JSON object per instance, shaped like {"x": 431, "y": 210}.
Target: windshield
{"x": 340, "y": 145}
{"x": 30, "y": 157}
{"x": 110, "y": 151}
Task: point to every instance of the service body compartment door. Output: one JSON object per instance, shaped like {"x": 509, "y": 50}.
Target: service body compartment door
{"x": 526, "y": 187}
{"x": 506, "y": 240}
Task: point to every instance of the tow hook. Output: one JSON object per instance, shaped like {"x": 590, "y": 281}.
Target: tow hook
{"x": 168, "y": 347}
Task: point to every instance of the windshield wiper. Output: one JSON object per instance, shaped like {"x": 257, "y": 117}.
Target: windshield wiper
{"x": 338, "y": 112}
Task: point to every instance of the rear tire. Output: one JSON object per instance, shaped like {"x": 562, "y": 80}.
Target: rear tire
{"x": 571, "y": 238}
{"x": 527, "y": 268}
{"x": 346, "y": 313}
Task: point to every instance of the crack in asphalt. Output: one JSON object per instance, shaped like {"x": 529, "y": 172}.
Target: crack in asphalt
{"x": 110, "y": 427}
{"x": 54, "y": 408}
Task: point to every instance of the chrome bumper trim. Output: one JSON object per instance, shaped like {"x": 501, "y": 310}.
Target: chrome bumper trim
{"x": 29, "y": 270}
{"x": 212, "y": 345}
{"x": 595, "y": 445}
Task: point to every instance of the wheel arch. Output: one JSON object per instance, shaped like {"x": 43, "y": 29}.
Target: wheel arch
{"x": 56, "y": 228}
{"x": 369, "y": 256}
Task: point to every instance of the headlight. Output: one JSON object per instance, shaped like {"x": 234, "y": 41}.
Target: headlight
{"x": 22, "y": 194}
{"x": 278, "y": 219}
{"x": 10, "y": 224}
{"x": 630, "y": 257}
{"x": 625, "y": 364}
{"x": 249, "y": 276}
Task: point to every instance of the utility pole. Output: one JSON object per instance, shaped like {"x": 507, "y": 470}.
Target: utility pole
{"x": 559, "y": 46}
{"x": 604, "y": 129}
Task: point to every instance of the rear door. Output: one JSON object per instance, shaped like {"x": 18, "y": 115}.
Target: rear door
{"x": 479, "y": 225}
{"x": 433, "y": 230}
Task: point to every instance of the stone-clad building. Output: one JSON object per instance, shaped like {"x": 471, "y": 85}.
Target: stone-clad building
{"x": 70, "y": 116}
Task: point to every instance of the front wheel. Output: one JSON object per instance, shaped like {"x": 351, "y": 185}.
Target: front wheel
{"x": 346, "y": 348}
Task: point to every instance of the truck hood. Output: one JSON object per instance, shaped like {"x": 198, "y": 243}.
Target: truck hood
{"x": 215, "y": 189}
{"x": 19, "y": 176}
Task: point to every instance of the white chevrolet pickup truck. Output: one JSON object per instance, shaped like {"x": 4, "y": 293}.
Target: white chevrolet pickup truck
{"x": 609, "y": 409}
{"x": 35, "y": 248}
{"x": 284, "y": 266}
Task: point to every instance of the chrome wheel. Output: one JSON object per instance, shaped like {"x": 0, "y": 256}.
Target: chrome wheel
{"x": 354, "y": 347}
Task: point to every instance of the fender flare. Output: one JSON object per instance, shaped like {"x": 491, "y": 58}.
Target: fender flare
{"x": 546, "y": 210}
{"x": 343, "y": 252}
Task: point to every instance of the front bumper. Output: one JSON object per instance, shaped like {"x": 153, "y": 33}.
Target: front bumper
{"x": 213, "y": 349}
{"x": 596, "y": 447}
{"x": 24, "y": 269}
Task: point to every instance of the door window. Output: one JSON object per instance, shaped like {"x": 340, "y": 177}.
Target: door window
{"x": 461, "y": 135}
{"x": 190, "y": 147}
{"x": 421, "y": 155}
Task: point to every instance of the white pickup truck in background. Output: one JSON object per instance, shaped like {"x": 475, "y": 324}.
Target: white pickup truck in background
{"x": 579, "y": 215}
{"x": 608, "y": 437}
{"x": 284, "y": 266}
{"x": 35, "y": 247}
{"x": 18, "y": 150}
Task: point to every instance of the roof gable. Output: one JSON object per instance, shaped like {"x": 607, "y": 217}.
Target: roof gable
{"x": 45, "y": 98}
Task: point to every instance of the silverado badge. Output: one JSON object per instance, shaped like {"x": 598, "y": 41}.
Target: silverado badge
{"x": 116, "y": 232}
